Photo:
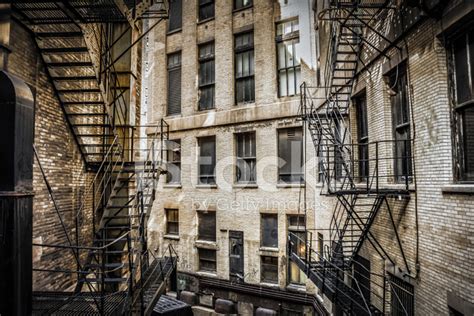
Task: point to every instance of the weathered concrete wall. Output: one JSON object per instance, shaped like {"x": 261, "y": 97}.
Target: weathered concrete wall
{"x": 62, "y": 162}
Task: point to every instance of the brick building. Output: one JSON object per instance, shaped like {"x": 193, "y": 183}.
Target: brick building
{"x": 232, "y": 81}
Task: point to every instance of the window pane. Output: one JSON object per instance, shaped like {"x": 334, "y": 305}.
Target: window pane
{"x": 207, "y": 159}
{"x": 291, "y": 81}
{"x": 207, "y": 226}
{"x": 207, "y": 259}
{"x": 172, "y": 225}
{"x": 290, "y": 149}
{"x": 206, "y": 9}
{"x": 463, "y": 92}
{"x": 175, "y": 15}
{"x": 269, "y": 269}
{"x": 281, "y": 55}
{"x": 173, "y": 174}
{"x": 174, "y": 84}
{"x": 269, "y": 231}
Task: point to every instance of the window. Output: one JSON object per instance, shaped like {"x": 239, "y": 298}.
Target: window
{"x": 296, "y": 226}
{"x": 244, "y": 68}
{"x": 401, "y": 123}
{"x": 462, "y": 60}
{"x": 288, "y": 61}
{"x": 207, "y": 160}
{"x": 206, "y": 9}
{"x": 401, "y": 293}
{"x": 269, "y": 236}
{"x": 240, "y": 4}
{"x": 362, "y": 137}
{"x": 320, "y": 245}
{"x": 173, "y": 174}
{"x": 207, "y": 260}
{"x": 172, "y": 222}
{"x": 174, "y": 83}
{"x": 206, "y": 76}
{"x": 269, "y": 269}
{"x": 207, "y": 226}
{"x": 290, "y": 150}
{"x": 175, "y": 15}
{"x": 246, "y": 158}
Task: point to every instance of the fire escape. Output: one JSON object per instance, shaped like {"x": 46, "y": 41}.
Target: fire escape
{"x": 355, "y": 26}
{"x": 81, "y": 44}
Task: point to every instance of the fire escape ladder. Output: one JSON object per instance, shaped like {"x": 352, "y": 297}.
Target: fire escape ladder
{"x": 359, "y": 198}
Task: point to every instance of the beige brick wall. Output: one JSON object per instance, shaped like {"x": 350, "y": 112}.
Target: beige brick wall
{"x": 62, "y": 162}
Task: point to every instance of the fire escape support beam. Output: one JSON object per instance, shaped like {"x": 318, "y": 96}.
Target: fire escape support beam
{"x": 369, "y": 234}
{"x": 389, "y": 209}
{"x": 71, "y": 11}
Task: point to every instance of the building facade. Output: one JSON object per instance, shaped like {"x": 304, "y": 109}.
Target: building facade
{"x": 237, "y": 157}
{"x": 409, "y": 126}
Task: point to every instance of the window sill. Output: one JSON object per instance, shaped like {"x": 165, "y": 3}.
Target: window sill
{"x": 207, "y": 274}
{"x": 268, "y": 284}
{"x": 295, "y": 287}
{"x": 206, "y": 186}
{"x": 205, "y": 244}
{"x": 242, "y": 9}
{"x": 174, "y": 31}
{"x": 205, "y": 20}
{"x": 245, "y": 186}
{"x": 458, "y": 188}
{"x": 290, "y": 185}
{"x": 172, "y": 237}
{"x": 172, "y": 186}
{"x": 272, "y": 250}
{"x": 250, "y": 103}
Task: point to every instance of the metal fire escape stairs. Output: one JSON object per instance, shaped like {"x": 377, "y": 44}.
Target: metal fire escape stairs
{"x": 357, "y": 205}
{"x": 115, "y": 266}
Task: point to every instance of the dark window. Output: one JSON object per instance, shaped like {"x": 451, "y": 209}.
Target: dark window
{"x": 362, "y": 137}
{"x": 246, "y": 158}
{"x": 172, "y": 222}
{"x": 296, "y": 226}
{"x": 401, "y": 293}
{"x": 401, "y": 123}
{"x": 206, "y": 9}
{"x": 175, "y": 15}
{"x": 290, "y": 150}
{"x": 338, "y": 159}
{"x": 174, "y": 83}
{"x": 244, "y": 68}
{"x": 288, "y": 62}
{"x": 207, "y": 226}
{"x": 206, "y": 76}
{"x": 239, "y": 4}
{"x": 207, "y": 160}
{"x": 207, "y": 260}
{"x": 269, "y": 237}
{"x": 463, "y": 65}
{"x": 173, "y": 174}
{"x": 269, "y": 269}
{"x": 320, "y": 245}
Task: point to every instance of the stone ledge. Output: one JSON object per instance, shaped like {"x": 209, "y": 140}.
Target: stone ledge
{"x": 458, "y": 188}
{"x": 173, "y": 237}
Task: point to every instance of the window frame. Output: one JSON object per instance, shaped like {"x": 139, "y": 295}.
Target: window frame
{"x": 246, "y": 161}
{"x": 239, "y": 51}
{"x": 204, "y": 4}
{"x": 177, "y": 28}
{"x": 200, "y": 259}
{"x": 279, "y": 145}
{"x": 168, "y": 221}
{"x": 360, "y": 102}
{"x": 400, "y": 107}
{"x": 263, "y": 242}
{"x": 300, "y": 231}
{"x": 201, "y": 61}
{"x": 201, "y": 221}
{"x": 458, "y": 109}
{"x": 171, "y": 68}
{"x": 294, "y": 38}
{"x": 243, "y": 7}
{"x": 211, "y": 178}
{"x": 263, "y": 273}
{"x": 172, "y": 162}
